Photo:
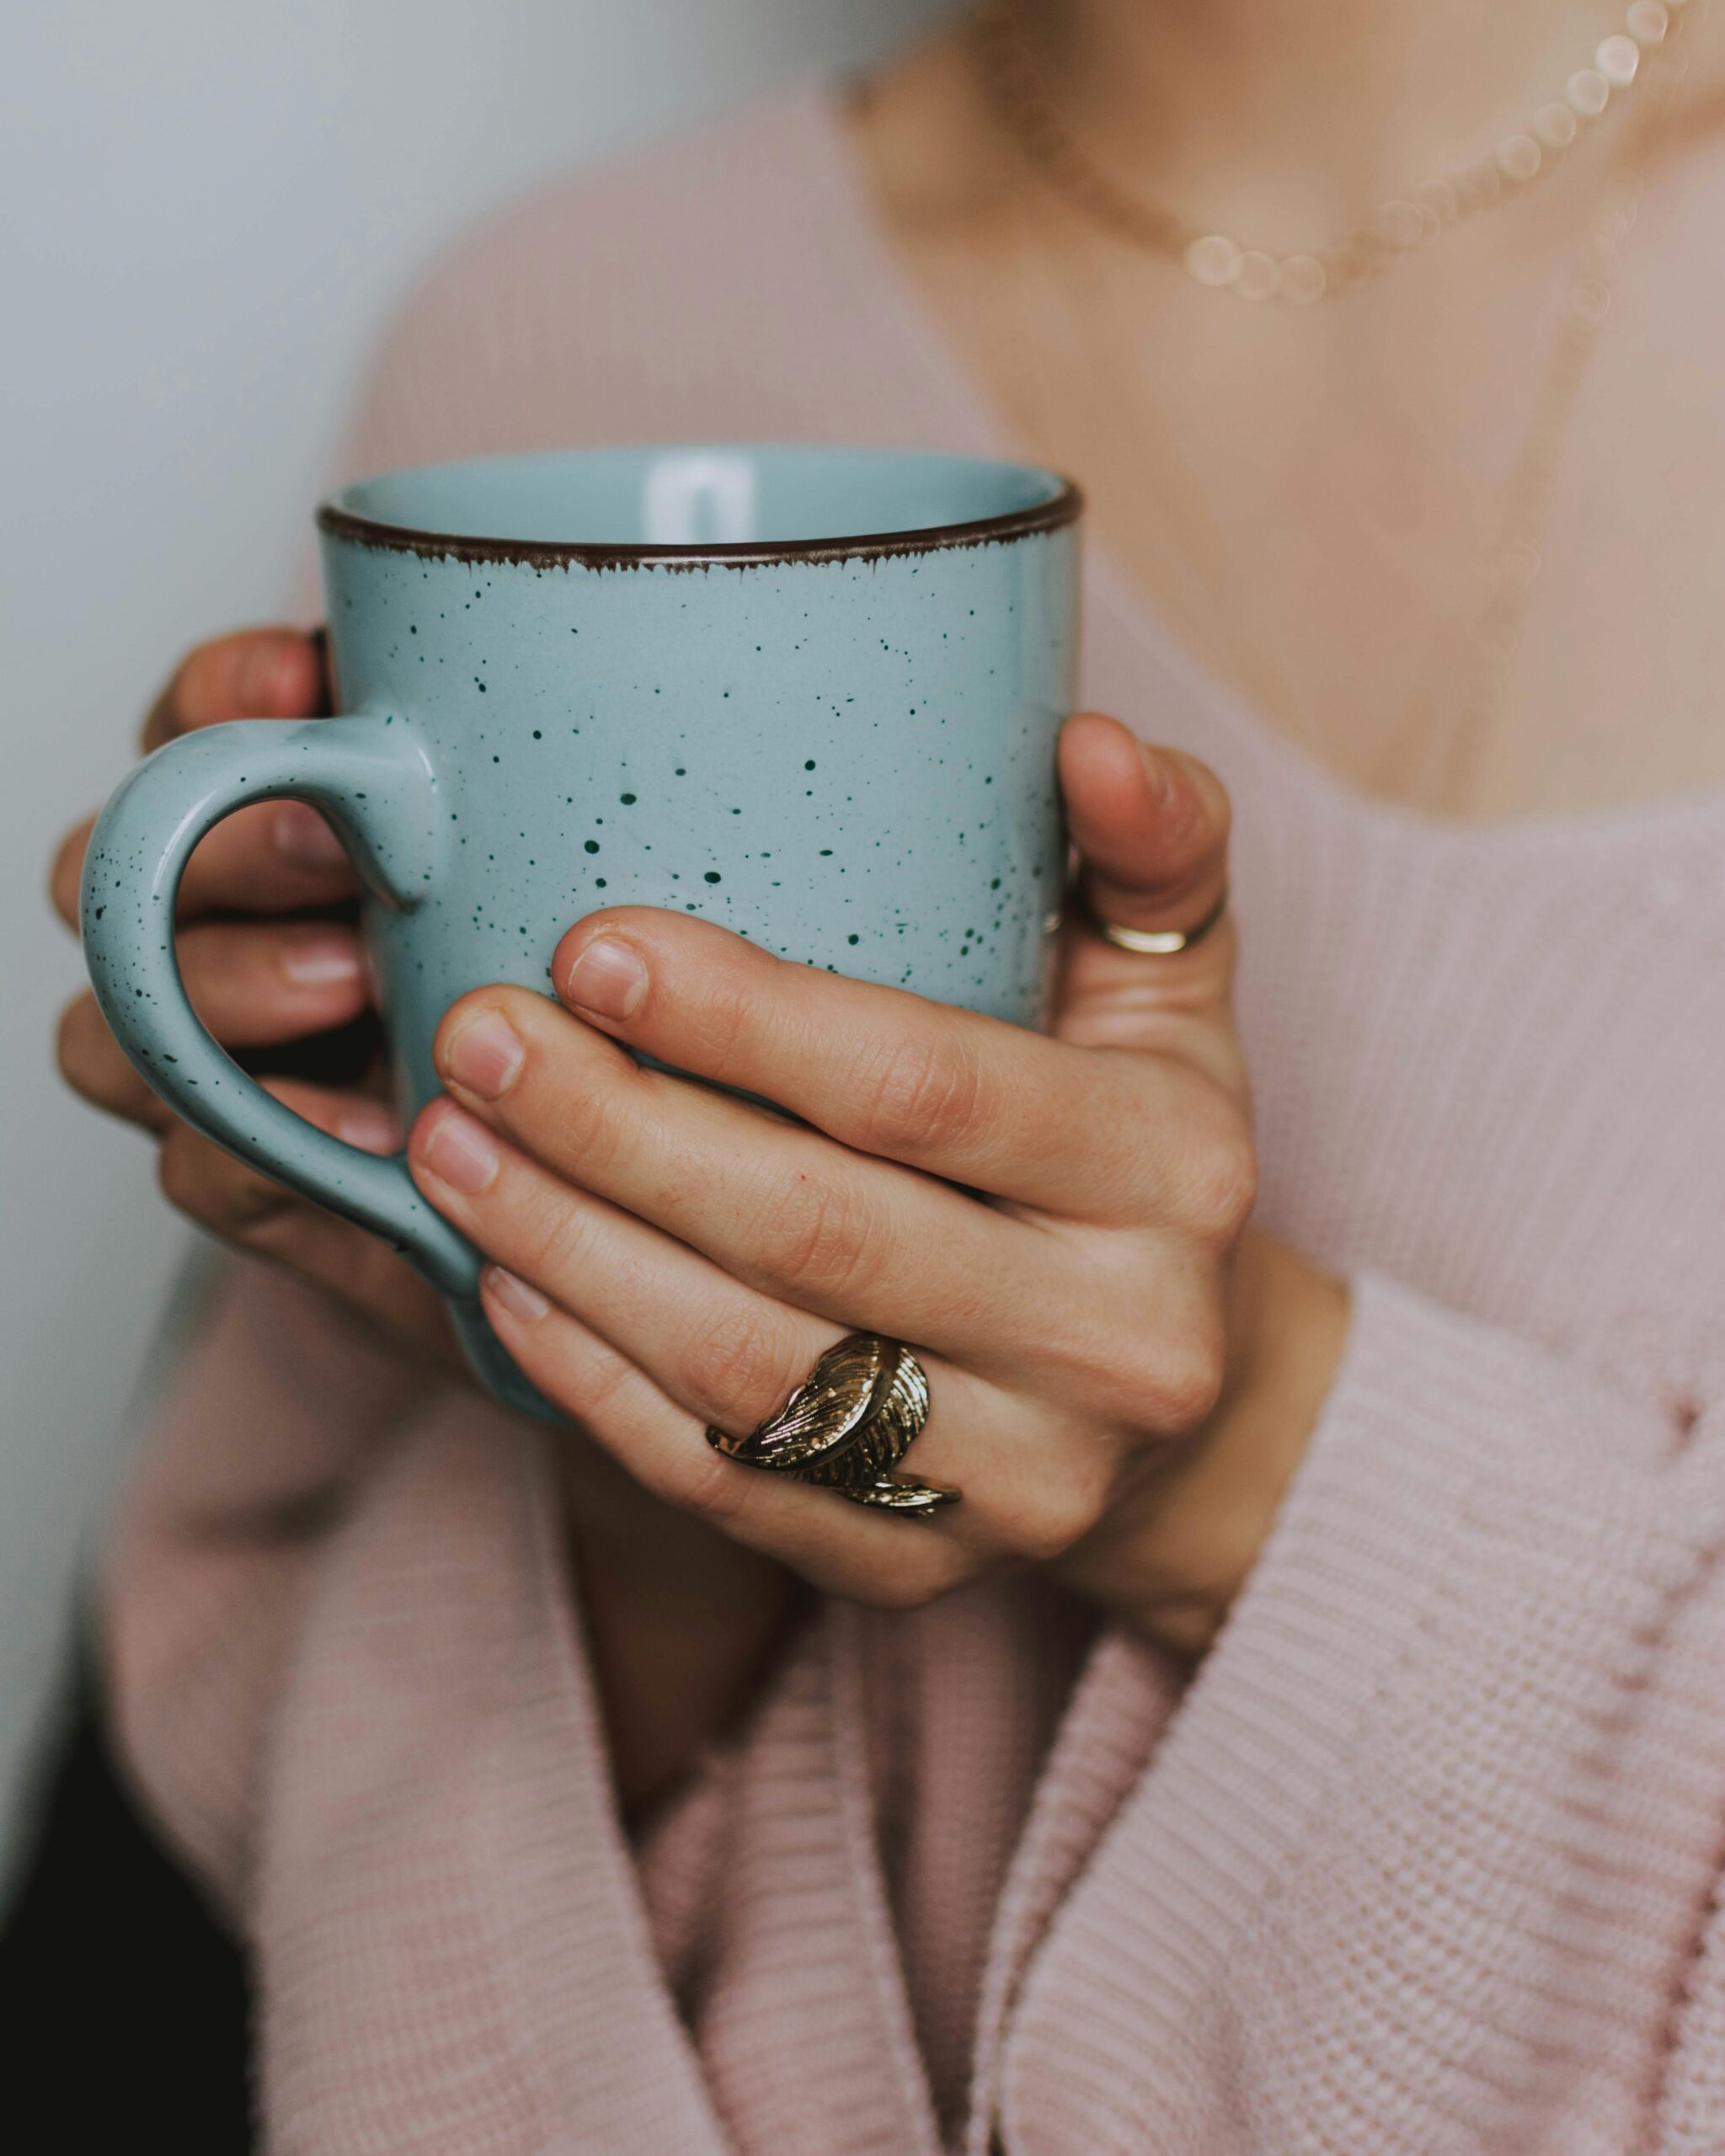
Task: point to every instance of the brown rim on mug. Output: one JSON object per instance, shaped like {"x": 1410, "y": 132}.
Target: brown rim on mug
{"x": 1063, "y": 507}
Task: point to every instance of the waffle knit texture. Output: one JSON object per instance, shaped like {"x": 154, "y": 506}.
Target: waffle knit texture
{"x": 1423, "y": 1861}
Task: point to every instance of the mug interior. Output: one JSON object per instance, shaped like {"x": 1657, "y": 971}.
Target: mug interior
{"x": 709, "y": 500}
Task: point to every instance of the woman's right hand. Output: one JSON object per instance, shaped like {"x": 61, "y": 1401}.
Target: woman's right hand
{"x": 273, "y": 966}
{"x": 679, "y": 1619}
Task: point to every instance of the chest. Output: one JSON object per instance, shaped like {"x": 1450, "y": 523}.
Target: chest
{"x": 1464, "y": 558}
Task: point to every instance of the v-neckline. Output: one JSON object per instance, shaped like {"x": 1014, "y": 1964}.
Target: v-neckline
{"x": 970, "y": 417}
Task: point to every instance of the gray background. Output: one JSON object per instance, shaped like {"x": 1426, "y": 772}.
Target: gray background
{"x": 208, "y": 211}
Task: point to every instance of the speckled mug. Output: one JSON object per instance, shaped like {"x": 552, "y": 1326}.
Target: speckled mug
{"x": 810, "y": 693}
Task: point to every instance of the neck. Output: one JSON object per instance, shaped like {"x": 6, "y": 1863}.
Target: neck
{"x": 1296, "y": 107}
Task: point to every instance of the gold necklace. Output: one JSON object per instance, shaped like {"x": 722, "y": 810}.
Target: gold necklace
{"x": 1007, "y": 69}
{"x": 1437, "y": 769}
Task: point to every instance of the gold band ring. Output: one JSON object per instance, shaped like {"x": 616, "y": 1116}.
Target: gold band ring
{"x": 1158, "y": 942}
{"x": 847, "y": 1426}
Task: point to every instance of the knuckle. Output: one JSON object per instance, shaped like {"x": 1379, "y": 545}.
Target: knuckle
{"x": 591, "y": 1378}
{"x": 727, "y": 1014}
{"x": 732, "y": 1368}
{"x": 1062, "y": 1516}
{"x": 550, "y": 1233}
{"x": 208, "y": 1186}
{"x": 717, "y": 1490}
{"x": 588, "y": 1122}
{"x": 232, "y": 977}
{"x": 575, "y": 1106}
{"x": 300, "y": 1239}
{"x": 922, "y": 1577}
{"x": 810, "y": 1234}
{"x": 591, "y": 1382}
{"x": 1218, "y": 1183}
{"x": 1186, "y": 1382}
{"x": 1165, "y": 1378}
{"x": 927, "y": 1095}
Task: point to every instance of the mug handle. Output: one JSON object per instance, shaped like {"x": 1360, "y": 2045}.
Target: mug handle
{"x": 378, "y": 787}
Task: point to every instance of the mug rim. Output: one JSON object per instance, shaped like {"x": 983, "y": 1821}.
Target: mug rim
{"x": 1064, "y": 506}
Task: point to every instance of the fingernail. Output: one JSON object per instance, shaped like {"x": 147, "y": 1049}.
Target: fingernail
{"x": 323, "y": 961}
{"x": 516, "y": 1297}
{"x": 606, "y": 978}
{"x": 301, "y": 837}
{"x": 486, "y": 1055}
{"x": 370, "y": 1126}
{"x": 462, "y": 1152}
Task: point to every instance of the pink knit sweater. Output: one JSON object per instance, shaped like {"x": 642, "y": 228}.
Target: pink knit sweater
{"x": 1425, "y": 1860}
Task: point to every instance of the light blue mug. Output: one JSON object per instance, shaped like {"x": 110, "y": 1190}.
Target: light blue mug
{"x": 812, "y": 694}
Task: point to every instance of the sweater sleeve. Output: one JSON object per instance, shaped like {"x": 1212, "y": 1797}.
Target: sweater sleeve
{"x": 1436, "y": 1835}
{"x": 276, "y": 1412}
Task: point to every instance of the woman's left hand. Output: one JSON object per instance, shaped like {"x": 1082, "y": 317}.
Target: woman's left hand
{"x": 668, "y": 1257}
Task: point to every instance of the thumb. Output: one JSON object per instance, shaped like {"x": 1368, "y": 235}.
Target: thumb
{"x": 1151, "y": 828}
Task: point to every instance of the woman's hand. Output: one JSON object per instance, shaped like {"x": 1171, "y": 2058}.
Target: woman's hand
{"x": 273, "y": 966}
{"x": 669, "y": 1257}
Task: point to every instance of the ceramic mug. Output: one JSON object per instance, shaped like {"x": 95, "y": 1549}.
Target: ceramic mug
{"x": 810, "y": 693}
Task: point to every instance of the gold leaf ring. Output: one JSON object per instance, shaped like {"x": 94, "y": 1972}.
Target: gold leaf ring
{"x": 847, "y": 1426}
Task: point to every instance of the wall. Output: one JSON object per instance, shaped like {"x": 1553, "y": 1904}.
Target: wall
{"x": 207, "y": 211}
